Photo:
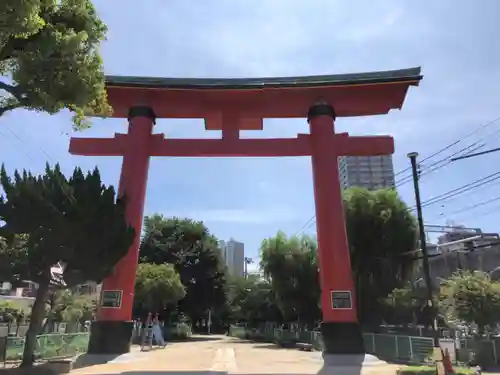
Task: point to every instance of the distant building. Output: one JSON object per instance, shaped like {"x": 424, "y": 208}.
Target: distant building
{"x": 464, "y": 250}
{"x": 459, "y": 233}
{"x": 233, "y": 253}
{"x": 369, "y": 172}
{"x": 29, "y": 288}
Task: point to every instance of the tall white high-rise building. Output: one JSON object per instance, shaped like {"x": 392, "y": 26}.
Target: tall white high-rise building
{"x": 370, "y": 172}
{"x": 233, "y": 253}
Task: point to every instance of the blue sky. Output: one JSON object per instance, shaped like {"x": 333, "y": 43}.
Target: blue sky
{"x": 456, "y": 43}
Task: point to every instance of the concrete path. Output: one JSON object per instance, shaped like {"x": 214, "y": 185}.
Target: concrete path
{"x": 218, "y": 355}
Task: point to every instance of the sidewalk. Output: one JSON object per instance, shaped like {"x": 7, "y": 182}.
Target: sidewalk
{"x": 222, "y": 355}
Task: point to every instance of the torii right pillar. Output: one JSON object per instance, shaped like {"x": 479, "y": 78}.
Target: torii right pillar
{"x": 340, "y": 329}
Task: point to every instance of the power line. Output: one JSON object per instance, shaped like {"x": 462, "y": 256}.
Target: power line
{"x": 473, "y": 206}
{"x": 434, "y": 166}
{"x": 308, "y": 223}
{"x": 476, "y": 154}
{"x": 439, "y": 198}
{"x": 447, "y": 147}
{"x": 490, "y": 212}
{"x": 460, "y": 190}
{"x": 22, "y": 142}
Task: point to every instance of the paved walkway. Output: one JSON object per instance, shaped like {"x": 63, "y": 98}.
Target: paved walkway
{"x": 217, "y": 355}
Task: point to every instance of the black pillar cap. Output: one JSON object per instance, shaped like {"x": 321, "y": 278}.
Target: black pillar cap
{"x": 141, "y": 111}
{"x": 321, "y": 109}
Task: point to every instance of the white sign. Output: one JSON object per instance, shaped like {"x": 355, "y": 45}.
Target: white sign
{"x": 449, "y": 344}
{"x": 341, "y": 299}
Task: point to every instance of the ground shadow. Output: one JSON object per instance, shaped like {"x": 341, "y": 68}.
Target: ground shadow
{"x": 258, "y": 345}
{"x": 197, "y": 338}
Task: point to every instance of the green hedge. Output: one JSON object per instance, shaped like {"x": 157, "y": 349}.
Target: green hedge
{"x": 431, "y": 370}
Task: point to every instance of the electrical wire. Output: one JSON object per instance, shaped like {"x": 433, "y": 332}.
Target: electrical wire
{"x": 476, "y": 146}
{"x": 460, "y": 190}
{"x": 439, "y": 164}
{"x": 432, "y": 167}
{"x": 472, "y": 207}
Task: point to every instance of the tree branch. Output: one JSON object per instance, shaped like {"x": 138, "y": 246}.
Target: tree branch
{"x": 13, "y": 90}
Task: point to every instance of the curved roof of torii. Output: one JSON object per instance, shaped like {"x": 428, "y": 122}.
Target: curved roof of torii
{"x": 251, "y": 99}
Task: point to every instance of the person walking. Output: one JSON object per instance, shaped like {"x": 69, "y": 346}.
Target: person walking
{"x": 147, "y": 334}
{"x": 157, "y": 332}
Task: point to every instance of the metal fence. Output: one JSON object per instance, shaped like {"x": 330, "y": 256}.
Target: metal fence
{"x": 7, "y": 329}
{"x": 49, "y": 346}
{"x": 412, "y": 349}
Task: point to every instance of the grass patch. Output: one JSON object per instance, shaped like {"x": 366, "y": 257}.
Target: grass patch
{"x": 431, "y": 370}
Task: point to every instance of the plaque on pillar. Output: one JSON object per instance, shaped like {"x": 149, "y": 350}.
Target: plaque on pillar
{"x": 341, "y": 299}
{"x": 111, "y": 299}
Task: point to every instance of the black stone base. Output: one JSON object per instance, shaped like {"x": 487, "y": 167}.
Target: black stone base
{"x": 342, "y": 338}
{"x": 110, "y": 337}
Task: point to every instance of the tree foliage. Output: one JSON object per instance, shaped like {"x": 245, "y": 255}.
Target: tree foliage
{"x": 11, "y": 312}
{"x": 252, "y": 300}
{"x": 69, "y": 307}
{"x": 157, "y": 286}
{"x": 195, "y": 255}
{"x": 382, "y": 234}
{"x": 49, "y": 219}
{"x": 50, "y": 59}
{"x": 471, "y": 297}
{"x": 291, "y": 265}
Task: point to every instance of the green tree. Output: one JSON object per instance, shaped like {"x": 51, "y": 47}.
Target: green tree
{"x": 291, "y": 265}
{"x": 50, "y": 219}
{"x": 157, "y": 286}
{"x": 49, "y": 56}
{"x": 471, "y": 297}
{"x": 195, "y": 254}
{"x": 405, "y": 305}
{"x": 71, "y": 308}
{"x": 382, "y": 236}
{"x": 10, "y": 312}
{"x": 252, "y": 300}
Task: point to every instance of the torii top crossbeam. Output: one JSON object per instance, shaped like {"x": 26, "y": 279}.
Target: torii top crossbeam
{"x": 249, "y": 100}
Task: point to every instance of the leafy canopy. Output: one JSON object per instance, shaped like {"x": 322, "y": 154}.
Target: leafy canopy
{"x": 157, "y": 286}
{"x": 471, "y": 297}
{"x": 50, "y": 219}
{"x": 382, "y": 235}
{"x": 195, "y": 255}
{"x": 69, "y": 307}
{"x": 49, "y": 57}
{"x": 291, "y": 265}
{"x": 381, "y": 232}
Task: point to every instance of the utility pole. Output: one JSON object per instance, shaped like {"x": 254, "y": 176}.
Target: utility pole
{"x": 246, "y": 262}
{"x": 425, "y": 260}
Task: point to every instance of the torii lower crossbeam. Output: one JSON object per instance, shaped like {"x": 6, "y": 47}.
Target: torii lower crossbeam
{"x": 342, "y": 144}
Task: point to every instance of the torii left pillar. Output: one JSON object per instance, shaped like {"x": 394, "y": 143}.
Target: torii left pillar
{"x": 112, "y": 331}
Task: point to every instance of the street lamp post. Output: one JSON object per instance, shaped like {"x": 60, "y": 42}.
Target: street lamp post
{"x": 425, "y": 260}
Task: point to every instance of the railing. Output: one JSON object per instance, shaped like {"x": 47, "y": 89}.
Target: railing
{"x": 49, "y": 346}
{"x": 12, "y": 328}
{"x": 412, "y": 349}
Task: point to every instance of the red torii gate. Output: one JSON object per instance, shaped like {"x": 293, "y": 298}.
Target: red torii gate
{"x": 232, "y": 105}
